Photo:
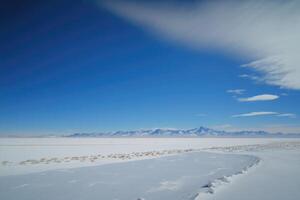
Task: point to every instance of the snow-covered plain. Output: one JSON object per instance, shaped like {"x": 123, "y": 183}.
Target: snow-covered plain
{"x": 162, "y": 168}
{"x": 24, "y": 155}
{"x": 172, "y": 178}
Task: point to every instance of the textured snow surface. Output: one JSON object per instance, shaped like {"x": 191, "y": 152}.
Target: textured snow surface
{"x": 27, "y": 155}
{"x": 277, "y": 177}
{"x": 159, "y": 168}
{"x": 170, "y": 178}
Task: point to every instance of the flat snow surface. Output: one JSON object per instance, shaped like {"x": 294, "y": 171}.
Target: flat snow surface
{"x": 169, "y": 178}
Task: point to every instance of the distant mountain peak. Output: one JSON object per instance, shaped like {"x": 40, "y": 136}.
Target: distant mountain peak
{"x": 194, "y": 132}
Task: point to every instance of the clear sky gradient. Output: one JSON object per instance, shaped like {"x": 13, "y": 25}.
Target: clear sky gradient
{"x": 76, "y": 66}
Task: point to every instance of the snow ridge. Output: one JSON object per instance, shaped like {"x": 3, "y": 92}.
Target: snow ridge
{"x": 211, "y": 187}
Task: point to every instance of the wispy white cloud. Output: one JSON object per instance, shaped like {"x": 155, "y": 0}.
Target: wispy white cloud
{"x": 249, "y": 76}
{"x": 262, "y": 97}
{"x": 291, "y": 115}
{"x": 236, "y": 91}
{"x": 282, "y": 70}
{"x": 266, "y": 32}
{"x": 260, "y": 113}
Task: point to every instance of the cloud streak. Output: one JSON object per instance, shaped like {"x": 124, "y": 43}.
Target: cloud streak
{"x": 251, "y": 114}
{"x": 236, "y": 91}
{"x": 248, "y": 76}
{"x": 266, "y": 32}
{"x": 264, "y": 113}
{"x": 262, "y": 97}
{"x": 291, "y": 115}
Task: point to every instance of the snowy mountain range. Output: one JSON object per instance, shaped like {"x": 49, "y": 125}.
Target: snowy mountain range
{"x": 195, "y": 132}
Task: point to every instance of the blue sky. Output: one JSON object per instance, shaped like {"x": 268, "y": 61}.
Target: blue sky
{"x": 85, "y": 66}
